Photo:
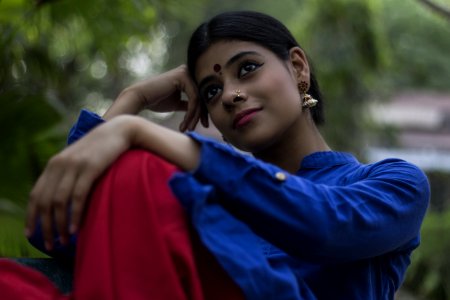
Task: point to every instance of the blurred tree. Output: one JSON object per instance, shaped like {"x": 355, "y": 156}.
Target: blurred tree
{"x": 52, "y": 55}
{"x": 429, "y": 274}
{"x": 346, "y": 41}
{"x": 184, "y": 26}
{"x": 366, "y": 51}
{"x": 58, "y": 56}
{"x": 419, "y": 43}
{"x": 440, "y": 9}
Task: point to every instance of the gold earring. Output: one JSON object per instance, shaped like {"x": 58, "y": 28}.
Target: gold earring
{"x": 307, "y": 100}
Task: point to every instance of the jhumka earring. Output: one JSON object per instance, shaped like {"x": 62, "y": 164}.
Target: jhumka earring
{"x": 307, "y": 100}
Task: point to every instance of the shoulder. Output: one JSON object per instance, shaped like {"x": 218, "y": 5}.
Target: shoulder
{"x": 395, "y": 167}
{"x": 389, "y": 174}
{"x": 397, "y": 175}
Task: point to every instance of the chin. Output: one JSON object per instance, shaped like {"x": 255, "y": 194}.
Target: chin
{"x": 253, "y": 141}
{"x": 253, "y": 146}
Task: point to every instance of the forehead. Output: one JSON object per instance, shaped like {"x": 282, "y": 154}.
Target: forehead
{"x": 221, "y": 52}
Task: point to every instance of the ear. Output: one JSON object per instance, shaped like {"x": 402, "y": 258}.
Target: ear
{"x": 300, "y": 64}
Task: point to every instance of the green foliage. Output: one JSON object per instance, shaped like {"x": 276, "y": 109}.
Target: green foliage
{"x": 12, "y": 240}
{"x": 418, "y": 39}
{"x": 429, "y": 274}
{"x": 54, "y": 55}
{"x": 365, "y": 51}
{"x": 346, "y": 41}
{"x": 440, "y": 191}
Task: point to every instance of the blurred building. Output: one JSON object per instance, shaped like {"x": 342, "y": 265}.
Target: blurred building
{"x": 421, "y": 122}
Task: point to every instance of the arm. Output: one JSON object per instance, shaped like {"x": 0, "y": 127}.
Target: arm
{"x": 69, "y": 175}
{"x": 162, "y": 93}
{"x": 58, "y": 183}
{"x": 378, "y": 213}
{"x": 86, "y": 122}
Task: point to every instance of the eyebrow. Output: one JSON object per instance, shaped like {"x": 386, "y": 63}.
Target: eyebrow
{"x": 232, "y": 60}
{"x": 238, "y": 56}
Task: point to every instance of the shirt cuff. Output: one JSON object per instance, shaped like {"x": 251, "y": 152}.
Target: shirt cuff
{"x": 227, "y": 168}
{"x": 87, "y": 120}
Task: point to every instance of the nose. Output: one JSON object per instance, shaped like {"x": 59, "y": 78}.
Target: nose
{"x": 232, "y": 98}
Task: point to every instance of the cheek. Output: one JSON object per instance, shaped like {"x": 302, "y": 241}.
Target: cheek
{"x": 217, "y": 118}
{"x": 282, "y": 90}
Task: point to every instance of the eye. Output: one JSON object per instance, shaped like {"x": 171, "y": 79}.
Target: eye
{"x": 210, "y": 92}
{"x": 247, "y": 67}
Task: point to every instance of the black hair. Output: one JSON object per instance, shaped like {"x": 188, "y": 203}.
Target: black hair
{"x": 253, "y": 27}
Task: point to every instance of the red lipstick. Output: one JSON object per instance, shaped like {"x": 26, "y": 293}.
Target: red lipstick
{"x": 244, "y": 117}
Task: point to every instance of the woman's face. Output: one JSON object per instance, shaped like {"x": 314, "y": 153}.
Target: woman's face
{"x": 252, "y": 95}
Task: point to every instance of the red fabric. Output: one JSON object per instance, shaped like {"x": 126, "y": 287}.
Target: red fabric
{"x": 18, "y": 282}
{"x": 136, "y": 243}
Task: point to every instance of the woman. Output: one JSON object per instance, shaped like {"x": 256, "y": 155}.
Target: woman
{"x": 294, "y": 220}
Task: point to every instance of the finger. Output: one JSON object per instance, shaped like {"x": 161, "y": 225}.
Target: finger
{"x": 47, "y": 226}
{"x": 37, "y": 196}
{"x": 55, "y": 172}
{"x": 79, "y": 196}
{"x": 183, "y": 124}
{"x": 182, "y": 105}
{"x": 191, "y": 117}
{"x": 204, "y": 119}
{"x": 31, "y": 214}
{"x": 32, "y": 209}
{"x": 61, "y": 199}
{"x": 192, "y": 123}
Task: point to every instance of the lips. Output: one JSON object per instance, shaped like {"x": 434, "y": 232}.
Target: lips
{"x": 244, "y": 117}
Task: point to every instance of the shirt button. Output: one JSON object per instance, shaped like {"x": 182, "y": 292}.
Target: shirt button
{"x": 280, "y": 176}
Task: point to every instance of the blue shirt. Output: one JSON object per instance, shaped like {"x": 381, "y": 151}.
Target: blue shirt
{"x": 337, "y": 229}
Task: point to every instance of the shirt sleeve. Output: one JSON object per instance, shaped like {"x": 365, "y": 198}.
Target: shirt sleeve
{"x": 380, "y": 213}
{"x": 86, "y": 121}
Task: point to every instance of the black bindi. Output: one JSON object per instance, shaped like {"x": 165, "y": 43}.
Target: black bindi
{"x": 217, "y": 68}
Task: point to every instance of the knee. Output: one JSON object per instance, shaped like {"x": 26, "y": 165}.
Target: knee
{"x": 137, "y": 175}
{"x": 138, "y": 163}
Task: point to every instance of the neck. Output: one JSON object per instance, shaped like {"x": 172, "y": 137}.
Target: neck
{"x": 289, "y": 152}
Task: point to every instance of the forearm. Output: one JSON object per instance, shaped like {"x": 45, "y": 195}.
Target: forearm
{"x": 128, "y": 102}
{"x": 173, "y": 146}
{"x": 160, "y": 93}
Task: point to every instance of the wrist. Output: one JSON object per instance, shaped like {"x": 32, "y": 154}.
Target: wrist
{"x": 138, "y": 131}
{"x": 129, "y": 101}
{"x": 127, "y": 126}
{"x": 133, "y": 95}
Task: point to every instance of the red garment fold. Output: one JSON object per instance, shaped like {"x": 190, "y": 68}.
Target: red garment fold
{"x": 136, "y": 242}
{"x": 18, "y": 282}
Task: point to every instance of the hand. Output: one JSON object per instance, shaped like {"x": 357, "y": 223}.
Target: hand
{"x": 68, "y": 177}
{"x": 163, "y": 93}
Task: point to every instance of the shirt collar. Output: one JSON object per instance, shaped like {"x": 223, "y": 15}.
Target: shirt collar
{"x": 326, "y": 159}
